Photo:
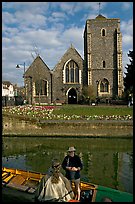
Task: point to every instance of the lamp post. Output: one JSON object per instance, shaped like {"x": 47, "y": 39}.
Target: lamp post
{"x": 31, "y": 91}
{"x": 18, "y": 67}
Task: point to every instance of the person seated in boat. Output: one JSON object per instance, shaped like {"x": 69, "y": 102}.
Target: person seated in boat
{"x": 72, "y": 165}
{"x": 54, "y": 186}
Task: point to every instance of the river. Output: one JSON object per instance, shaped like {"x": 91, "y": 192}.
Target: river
{"x": 107, "y": 162}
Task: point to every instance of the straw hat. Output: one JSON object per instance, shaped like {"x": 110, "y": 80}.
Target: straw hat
{"x": 71, "y": 149}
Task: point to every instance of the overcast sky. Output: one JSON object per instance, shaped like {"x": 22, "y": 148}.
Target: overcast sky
{"x": 49, "y": 28}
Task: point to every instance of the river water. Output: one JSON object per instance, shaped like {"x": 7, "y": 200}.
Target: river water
{"x": 107, "y": 162}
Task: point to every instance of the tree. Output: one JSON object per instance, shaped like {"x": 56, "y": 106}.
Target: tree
{"x": 89, "y": 94}
{"x": 128, "y": 79}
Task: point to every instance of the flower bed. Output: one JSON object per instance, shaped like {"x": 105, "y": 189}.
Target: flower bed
{"x": 46, "y": 113}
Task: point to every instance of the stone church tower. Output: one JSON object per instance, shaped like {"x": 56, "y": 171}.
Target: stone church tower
{"x": 103, "y": 56}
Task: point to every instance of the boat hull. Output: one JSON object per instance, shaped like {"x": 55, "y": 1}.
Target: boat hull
{"x": 20, "y": 186}
{"x": 13, "y": 195}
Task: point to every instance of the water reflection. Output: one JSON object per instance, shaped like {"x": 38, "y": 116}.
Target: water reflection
{"x": 106, "y": 162}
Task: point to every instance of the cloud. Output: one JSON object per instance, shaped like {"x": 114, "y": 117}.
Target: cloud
{"x": 127, "y": 33}
{"x": 33, "y": 7}
{"x": 127, "y": 5}
{"x": 8, "y": 18}
{"x": 74, "y": 35}
{"x": 127, "y": 40}
{"x": 127, "y": 26}
{"x": 58, "y": 15}
{"x": 25, "y": 19}
{"x": 67, "y": 7}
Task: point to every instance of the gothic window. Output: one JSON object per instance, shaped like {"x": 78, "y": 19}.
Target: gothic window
{"x": 103, "y": 64}
{"x": 72, "y": 72}
{"x": 103, "y": 33}
{"x": 101, "y": 87}
{"x": 77, "y": 75}
{"x": 41, "y": 87}
{"x": 67, "y": 74}
{"x": 104, "y": 85}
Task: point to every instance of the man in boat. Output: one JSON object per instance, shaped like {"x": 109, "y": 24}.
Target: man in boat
{"x": 54, "y": 187}
{"x": 72, "y": 165}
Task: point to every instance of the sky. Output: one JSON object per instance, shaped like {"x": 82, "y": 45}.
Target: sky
{"x": 49, "y": 28}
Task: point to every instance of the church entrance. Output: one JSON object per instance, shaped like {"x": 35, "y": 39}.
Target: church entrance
{"x": 72, "y": 96}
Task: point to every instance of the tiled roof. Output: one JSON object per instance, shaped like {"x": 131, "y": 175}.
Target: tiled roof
{"x": 8, "y": 83}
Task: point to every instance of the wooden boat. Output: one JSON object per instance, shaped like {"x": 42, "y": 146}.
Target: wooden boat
{"x": 20, "y": 185}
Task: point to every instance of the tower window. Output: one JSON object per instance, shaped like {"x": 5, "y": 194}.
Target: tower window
{"x": 104, "y": 85}
{"x": 103, "y": 64}
{"x": 103, "y": 32}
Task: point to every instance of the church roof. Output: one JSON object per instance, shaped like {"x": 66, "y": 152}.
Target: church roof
{"x": 36, "y": 62}
{"x": 100, "y": 17}
{"x": 70, "y": 53}
{"x": 8, "y": 83}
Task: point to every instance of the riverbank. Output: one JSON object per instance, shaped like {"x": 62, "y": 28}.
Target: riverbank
{"x": 68, "y": 121}
{"x": 64, "y": 128}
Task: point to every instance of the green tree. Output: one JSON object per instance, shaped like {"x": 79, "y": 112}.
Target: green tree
{"x": 128, "y": 79}
{"x": 89, "y": 94}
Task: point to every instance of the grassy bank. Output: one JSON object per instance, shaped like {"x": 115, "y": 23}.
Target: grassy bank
{"x": 68, "y": 120}
{"x": 94, "y": 110}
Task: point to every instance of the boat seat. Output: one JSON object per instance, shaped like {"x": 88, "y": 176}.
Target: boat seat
{"x": 18, "y": 180}
{"x": 17, "y": 186}
{"x": 31, "y": 183}
{"x": 7, "y": 179}
{"x": 5, "y": 175}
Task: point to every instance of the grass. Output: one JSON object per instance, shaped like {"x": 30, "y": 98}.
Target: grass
{"x": 93, "y": 110}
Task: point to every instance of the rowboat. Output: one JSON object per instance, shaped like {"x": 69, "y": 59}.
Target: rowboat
{"x": 20, "y": 185}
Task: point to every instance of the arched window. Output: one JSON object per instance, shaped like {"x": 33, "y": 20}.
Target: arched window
{"x": 103, "y": 33}
{"x": 72, "y": 72}
{"x": 104, "y": 85}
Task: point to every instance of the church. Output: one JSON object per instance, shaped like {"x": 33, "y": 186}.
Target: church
{"x": 100, "y": 70}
